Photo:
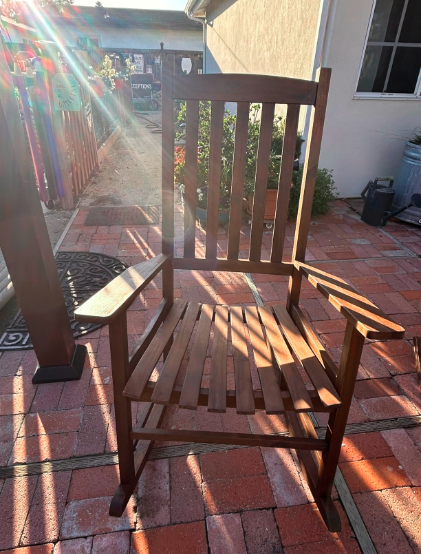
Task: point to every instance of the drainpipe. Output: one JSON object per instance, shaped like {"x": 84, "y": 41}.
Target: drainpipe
{"x": 204, "y": 23}
{"x": 321, "y": 50}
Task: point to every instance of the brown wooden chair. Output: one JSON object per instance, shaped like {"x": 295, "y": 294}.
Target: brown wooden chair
{"x": 279, "y": 335}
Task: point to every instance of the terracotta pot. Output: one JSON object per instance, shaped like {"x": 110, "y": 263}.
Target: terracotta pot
{"x": 270, "y": 206}
{"x": 118, "y": 84}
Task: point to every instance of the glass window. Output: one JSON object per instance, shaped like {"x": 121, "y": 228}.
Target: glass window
{"x": 392, "y": 58}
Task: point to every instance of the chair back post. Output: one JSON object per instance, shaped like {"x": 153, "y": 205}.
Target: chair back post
{"x": 309, "y": 182}
{"x": 168, "y": 131}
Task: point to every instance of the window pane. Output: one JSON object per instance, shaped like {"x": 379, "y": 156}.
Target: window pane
{"x": 411, "y": 28}
{"x": 405, "y": 70}
{"x": 385, "y": 22}
{"x": 374, "y": 68}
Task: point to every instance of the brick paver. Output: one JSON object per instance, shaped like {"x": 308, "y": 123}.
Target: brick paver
{"x": 247, "y": 500}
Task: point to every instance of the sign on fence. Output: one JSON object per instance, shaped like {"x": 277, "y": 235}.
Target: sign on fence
{"x": 138, "y": 63}
{"x": 66, "y": 93}
{"x": 142, "y": 85}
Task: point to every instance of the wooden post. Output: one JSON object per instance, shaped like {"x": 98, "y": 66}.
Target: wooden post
{"x": 26, "y": 248}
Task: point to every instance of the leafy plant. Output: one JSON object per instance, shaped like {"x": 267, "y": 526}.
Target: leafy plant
{"x": 416, "y": 139}
{"x": 107, "y": 72}
{"x": 324, "y": 192}
{"x": 228, "y": 152}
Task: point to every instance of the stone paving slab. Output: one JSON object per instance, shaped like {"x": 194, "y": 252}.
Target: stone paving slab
{"x": 250, "y": 500}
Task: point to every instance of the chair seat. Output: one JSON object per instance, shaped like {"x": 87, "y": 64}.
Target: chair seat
{"x": 270, "y": 379}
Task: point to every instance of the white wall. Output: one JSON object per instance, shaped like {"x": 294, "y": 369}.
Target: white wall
{"x": 362, "y": 139}
{"x": 148, "y": 39}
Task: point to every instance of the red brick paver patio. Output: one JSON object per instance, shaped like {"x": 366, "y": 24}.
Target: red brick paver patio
{"x": 246, "y": 500}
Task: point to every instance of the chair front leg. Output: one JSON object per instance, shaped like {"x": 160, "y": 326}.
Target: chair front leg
{"x": 347, "y": 374}
{"x": 123, "y": 414}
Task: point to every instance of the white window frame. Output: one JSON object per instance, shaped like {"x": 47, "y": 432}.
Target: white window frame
{"x": 386, "y": 95}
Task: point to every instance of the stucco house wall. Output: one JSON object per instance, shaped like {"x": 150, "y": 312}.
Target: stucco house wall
{"x": 363, "y": 139}
{"x": 245, "y": 36}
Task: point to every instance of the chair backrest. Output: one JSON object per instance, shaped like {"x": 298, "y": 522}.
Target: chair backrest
{"x": 243, "y": 89}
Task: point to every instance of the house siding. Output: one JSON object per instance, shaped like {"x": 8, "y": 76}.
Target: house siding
{"x": 363, "y": 139}
{"x": 271, "y": 37}
{"x": 138, "y": 38}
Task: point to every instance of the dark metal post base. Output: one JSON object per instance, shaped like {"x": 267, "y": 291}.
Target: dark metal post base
{"x": 70, "y": 372}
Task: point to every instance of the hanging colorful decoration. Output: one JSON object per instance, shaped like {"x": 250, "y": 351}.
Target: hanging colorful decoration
{"x": 66, "y": 93}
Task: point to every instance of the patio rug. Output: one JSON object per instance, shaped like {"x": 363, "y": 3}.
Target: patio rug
{"x": 131, "y": 215}
{"x": 81, "y": 275}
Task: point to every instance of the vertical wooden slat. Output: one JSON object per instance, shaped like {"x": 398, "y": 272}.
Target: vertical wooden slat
{"x": 262, "y": 171}
{"x": 190, "y": 191}
{"x": 309, "y": 182}
{"x": 214, "y": 178}
{"x": 285, "y": 178}
{"x": 237, "y": 185}
{"x": 167, "y": 157}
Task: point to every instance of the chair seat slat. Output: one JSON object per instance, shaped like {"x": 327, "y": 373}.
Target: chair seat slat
{"x": 218, "y": 377}
{"x": 296, "y": 386}
{"x": 166, "y": 380}
{"x": 311, "y": 364}
{"x": 144, "y": 368}
{"x": 243, "y": 383}
{"x": 263, "y": 358}
{"x": 191, "y": 387}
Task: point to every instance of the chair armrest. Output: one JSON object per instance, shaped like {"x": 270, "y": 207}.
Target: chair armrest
{"x": 365, "y": 316}
{"x": 110, "y": 301}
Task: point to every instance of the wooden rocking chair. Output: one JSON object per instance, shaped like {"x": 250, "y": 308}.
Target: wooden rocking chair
{"x": 279, "y": 335}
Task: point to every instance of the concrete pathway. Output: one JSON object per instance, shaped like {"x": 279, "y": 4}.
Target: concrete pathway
{"x": 131, "y": 173}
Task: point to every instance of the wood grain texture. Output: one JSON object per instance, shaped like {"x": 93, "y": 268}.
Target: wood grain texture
{"x": 144, "y": 368}
{"x": 120, "y": 293}
{"x": 167, "y": 155}
{"x": 319, "y": 350}
{"x": 285, "y": 179}
{"x": 311, "y": 364}
{"x": 191, "y": 387}
{"x": 290, "y": 372}
{"x": 370, "y": 321}
{"x": 347, "y": 375}
{"x": 190, "y": 181}
{"x": 309, "y": 181}
{"x": 242, "y": 266}
{"x": 246, "y": 439}
{"x": 214, "y": 179}
{"x": 271, "y": 392}
{"x": 218, "y": 376}
{"x": 243, "y": 383}
{"x": 260, "y": 182}
{"x": 168, "y": 375}
{"x": 245, "y": 88}
{"x": 237, "y": 184}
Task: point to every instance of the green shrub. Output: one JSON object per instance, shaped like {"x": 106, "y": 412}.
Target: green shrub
{"x": 324, "y": 193}
{"x": 325, "y": 190}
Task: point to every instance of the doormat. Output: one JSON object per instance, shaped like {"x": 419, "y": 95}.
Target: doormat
{"x": 132, "y": 215}
{"x": 81, "y": 274}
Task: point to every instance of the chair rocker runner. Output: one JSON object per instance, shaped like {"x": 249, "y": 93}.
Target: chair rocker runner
{"x": 280, "y": 336}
